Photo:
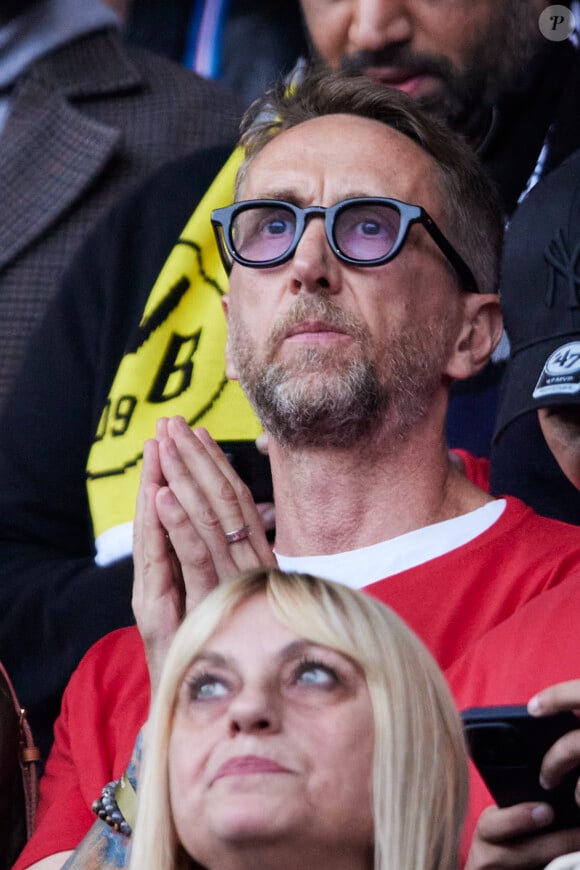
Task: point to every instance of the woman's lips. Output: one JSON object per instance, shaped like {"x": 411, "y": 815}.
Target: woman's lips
{"x": 245, "y": 765}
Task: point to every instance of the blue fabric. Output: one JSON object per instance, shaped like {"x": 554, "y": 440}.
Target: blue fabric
{"x": 210, "y": 64}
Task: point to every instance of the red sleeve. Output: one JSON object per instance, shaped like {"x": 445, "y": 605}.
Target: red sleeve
{"x": 535, "y": 648}
{"x": 476, "y": 468}
{"x": 104, "y": 707}
{"x": 63, "y": 817}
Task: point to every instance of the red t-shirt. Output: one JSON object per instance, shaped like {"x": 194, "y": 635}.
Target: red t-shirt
{"x": 450, "y": 601}
{"x": 476, "y": 468}
{"x": 533, "y": 649}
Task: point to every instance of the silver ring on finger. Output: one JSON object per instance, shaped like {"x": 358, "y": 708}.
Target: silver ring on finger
{"x": 238, "y": 534}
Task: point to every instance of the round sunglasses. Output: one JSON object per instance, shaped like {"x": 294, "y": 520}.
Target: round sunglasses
{"x": 362, "y": 231}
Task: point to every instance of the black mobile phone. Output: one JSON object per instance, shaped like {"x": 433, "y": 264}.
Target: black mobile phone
{"x": 507, "y": 746}
{"x": 252, "y": 466}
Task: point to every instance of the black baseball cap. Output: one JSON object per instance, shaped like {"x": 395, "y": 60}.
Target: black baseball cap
{"x": 540, "y": 297}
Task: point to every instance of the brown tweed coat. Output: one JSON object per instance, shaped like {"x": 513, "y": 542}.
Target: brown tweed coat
{"x": 88, "y": 122}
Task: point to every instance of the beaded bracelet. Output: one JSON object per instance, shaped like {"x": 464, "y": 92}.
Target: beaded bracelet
{"x": 107, "y": 808}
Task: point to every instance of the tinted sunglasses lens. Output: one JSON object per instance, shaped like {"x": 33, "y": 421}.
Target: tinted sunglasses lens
{"x": 263, "y": 232}
{"x": 367, "y": 231}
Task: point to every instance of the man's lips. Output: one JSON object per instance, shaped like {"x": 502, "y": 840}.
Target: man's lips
{"x": 246, "y": 765}
{"x": 314, "y": 330}
{"x": 409, "y": 81}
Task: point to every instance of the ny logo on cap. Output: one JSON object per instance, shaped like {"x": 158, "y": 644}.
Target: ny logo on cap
{"x": 558, "y": 256}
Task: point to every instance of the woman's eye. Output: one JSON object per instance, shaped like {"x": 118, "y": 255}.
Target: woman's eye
{"x": 207, "y": 687}
{"x": 316, "y": 674}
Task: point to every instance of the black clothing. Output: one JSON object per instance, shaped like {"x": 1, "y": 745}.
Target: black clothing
{"x": 50, "y": 582}
{"x": 547, "y": 111}
{"x": 260, "y": 40}
{"x": 522, "y": 465}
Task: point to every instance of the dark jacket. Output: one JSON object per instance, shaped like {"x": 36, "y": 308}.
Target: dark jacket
{"x": 88, "y": 121}
{"x": 541, "y": 119}
{"x": 55, "y": 601}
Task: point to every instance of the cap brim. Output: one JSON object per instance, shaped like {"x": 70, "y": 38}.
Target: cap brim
{"x": 541, "y": 375}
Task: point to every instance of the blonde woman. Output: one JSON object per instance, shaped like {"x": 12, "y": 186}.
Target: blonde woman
{"x": 299, "y": 724}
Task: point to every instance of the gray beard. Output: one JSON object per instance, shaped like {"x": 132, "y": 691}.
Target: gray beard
{"x": 308, "y": 409}
{"x": 321, "y": 400}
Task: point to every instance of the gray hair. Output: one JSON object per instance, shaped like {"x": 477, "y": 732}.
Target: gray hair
{"x": 470, "y": 204}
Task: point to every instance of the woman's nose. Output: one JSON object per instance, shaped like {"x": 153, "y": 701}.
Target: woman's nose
{"x": 255, "y": 709}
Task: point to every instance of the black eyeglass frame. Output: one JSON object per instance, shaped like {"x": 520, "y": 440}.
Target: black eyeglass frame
{"x": 222, "y": 221}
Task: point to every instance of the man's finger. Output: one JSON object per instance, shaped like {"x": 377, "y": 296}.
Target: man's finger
{"x": 532, "y": 853}
{"x": 150, "y": 474}
{"x": 211, "y": 514}
{"x": 501, "y": 824}
{"x": 146, "y": 521}
{"x": 514, "y": 837}
{"x": 215, "y": 498}
{"x": 161, "y": 428}
{"x": 562, "y": 696}
{"x": 250, "y": 512}
{"x": 197, "y": 566}
{"x": 154, "y": 570}
{"x": 560, "y": 759}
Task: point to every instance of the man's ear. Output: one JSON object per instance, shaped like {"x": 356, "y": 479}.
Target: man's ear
{"x": 478, "y": 336}
{"x": 231, "y": 370}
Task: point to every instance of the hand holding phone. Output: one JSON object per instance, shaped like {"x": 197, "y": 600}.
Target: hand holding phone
{"x": 507, "y": 746}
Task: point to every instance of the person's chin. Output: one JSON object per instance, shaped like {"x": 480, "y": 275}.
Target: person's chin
{"x": 319, "y": 356}
{"x": 252, "y": 816}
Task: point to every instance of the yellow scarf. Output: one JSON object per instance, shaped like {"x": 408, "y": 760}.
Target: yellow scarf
{"x": 176, "y": 366}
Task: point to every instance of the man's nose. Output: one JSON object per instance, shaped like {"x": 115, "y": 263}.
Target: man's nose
{"x": 314, "y": 268}
{"x": 376, "y": 23}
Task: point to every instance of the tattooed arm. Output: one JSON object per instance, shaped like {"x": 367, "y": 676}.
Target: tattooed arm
{"x": 103, "y": 848}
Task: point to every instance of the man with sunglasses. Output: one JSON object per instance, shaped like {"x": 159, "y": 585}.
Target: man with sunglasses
{"x": 115, "y": 350}
{"x": 363, "y": 250}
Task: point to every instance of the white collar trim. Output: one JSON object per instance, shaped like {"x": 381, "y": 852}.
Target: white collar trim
{"x": 359, "y": 568}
